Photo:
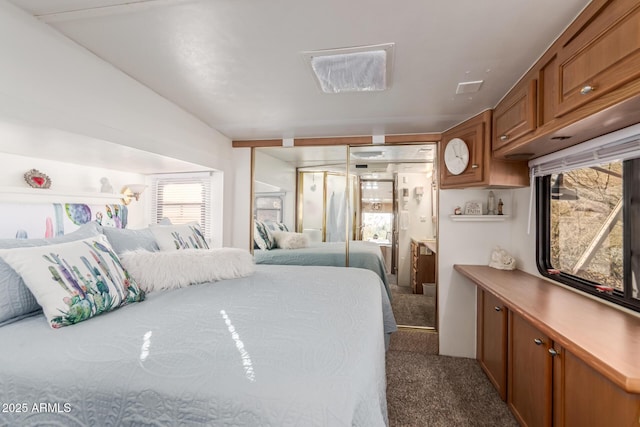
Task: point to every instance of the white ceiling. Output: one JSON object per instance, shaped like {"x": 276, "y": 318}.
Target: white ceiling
{"x": 237, "y": 64}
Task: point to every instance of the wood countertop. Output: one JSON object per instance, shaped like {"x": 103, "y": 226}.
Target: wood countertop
{"x": 605, "y": 338}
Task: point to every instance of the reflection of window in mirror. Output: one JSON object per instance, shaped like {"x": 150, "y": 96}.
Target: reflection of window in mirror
{"x": 269, "y": 207}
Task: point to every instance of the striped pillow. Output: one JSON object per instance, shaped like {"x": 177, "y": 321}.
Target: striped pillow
{"x": 262, "y": 237}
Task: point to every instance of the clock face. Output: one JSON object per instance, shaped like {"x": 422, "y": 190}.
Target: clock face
{"x": 456, "y": 156}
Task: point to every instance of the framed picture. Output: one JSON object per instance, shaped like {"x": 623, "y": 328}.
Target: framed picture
{"x": 473, "y": 208}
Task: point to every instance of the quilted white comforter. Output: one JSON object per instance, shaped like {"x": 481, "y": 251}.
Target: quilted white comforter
{"x": 288, "y": 346}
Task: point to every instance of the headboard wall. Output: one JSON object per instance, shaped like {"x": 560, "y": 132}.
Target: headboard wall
{"x": 28, "y": 221}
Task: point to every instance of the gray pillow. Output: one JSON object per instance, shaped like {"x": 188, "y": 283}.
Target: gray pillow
{"x": 16, "y": 300}
{"x": 123, "y": 239}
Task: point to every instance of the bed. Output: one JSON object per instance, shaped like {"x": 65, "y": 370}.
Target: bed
{"x": 362, "y": 254}
{"x": 288, "y": 345}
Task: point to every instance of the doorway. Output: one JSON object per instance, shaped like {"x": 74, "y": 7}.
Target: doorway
{"x": 377, "y": 217}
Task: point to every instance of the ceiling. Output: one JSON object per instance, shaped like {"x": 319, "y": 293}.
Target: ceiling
{"x": 238, "y": 66}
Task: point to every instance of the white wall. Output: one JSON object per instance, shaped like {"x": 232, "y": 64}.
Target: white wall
{"x": 242, "y": 198}
{"x": 465, "y": 243}
{"x": 70, "y": 178}
{"x": 48, "y": 80}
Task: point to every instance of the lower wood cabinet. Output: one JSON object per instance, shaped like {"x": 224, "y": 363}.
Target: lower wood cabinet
{"x": 583, "y": 397}
{"x": 544, "y": 383}
{"x": 529, "y": 373}
{"x": 492, "y": 340}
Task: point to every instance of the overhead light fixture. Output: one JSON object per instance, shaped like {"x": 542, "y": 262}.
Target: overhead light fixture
{"x": 132, "y": 191}
{"x": 353, "y": 69}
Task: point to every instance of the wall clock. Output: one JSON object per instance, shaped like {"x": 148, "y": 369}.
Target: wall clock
{"x": 456, "y": 156}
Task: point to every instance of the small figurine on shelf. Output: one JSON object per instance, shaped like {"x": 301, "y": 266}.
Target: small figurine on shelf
{"x": 105, "y": 186}
{"x": 457, "y": 210}
{"x": 500, "y": 205}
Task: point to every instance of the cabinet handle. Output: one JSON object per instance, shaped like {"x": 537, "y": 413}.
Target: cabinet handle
{"x": 496, "y": 308}
{"x": 504, "y": 137}
{"x": 474, "y": 166}
{"x": 553, "y": 352}
{"x": 586, "y": 90}
{"x": 538, "y": 341}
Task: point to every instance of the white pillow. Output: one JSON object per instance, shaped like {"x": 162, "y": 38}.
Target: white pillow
{"x": 176, "y": 269}
{"x": 177, "y": 237}
{"x": 74, "y": 281}
{"x": 290, "y": 240}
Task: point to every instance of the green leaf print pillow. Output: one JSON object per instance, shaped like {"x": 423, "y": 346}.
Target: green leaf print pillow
{"x": 74, "y": 281}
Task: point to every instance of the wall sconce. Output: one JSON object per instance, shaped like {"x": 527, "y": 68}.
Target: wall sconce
{"x": 132, "y": 191}
{"x": 418, "y": 192}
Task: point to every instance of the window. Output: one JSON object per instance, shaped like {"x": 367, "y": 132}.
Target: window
{"x": 183, "y": 198}
{"x": 588, "y": 220}
{"x": 268, "y": 207}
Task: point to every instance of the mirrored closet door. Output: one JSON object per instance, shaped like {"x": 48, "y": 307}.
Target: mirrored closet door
{"x": 353, "y": 204}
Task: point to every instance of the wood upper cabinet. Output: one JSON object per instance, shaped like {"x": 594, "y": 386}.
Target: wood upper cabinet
{"x": 482, "y": 169}
{"x": 600, "y": 55}
{"x": 529, "y": 373}
{"x": 515, "y": 116}
{"x": 492, "y": 340}
{"x": 583, "y": 397}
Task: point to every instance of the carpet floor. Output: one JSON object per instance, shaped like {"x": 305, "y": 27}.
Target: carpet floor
{"x": 427, "y": 390}
{"x": 412, "y": 309}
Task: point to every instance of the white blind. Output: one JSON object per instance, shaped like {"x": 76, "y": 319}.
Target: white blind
{"x": 183, "y": 198}
{"x": 620, "y": 145}
{"x": 623, "y": 144}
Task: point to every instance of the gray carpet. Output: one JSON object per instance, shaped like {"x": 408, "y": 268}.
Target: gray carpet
{"x": 426, "y": 390}
{"x": 412, "y": 309}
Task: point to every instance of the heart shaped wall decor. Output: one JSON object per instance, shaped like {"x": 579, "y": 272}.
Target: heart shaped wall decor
{"x": 37, "y": 179}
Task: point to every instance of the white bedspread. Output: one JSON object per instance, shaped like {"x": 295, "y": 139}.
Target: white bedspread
{"x": 288, "y": 346}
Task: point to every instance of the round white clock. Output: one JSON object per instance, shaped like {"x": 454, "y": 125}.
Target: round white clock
{"x": 456, "y": 156}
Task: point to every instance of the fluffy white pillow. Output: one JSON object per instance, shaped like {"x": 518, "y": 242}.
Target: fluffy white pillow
{"x": 290, "y": 240}
{"x": 178, "y": 237}
{"x": 176, "y": 269}
{"x": 74, "y": 281}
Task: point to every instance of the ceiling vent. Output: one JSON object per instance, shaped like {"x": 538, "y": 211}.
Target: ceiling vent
{"x": 353, "y": 69}
{"x": 469, "y": 87}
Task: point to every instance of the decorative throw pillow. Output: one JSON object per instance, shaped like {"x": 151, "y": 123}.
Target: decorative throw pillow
{"x": 262, "y": 236}
{"x": 124, "y": 239}
{"x": 276, "y": 226}
{"x": 16, "y": 300}
{"x": 176, "y": 237}
{"x": 176, "y": 269}
{"x": 74, "y": 281}
{"x": 288, "y": 240}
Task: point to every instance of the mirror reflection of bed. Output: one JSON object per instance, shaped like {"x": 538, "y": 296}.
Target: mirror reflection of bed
{"x": 370, "y": 218}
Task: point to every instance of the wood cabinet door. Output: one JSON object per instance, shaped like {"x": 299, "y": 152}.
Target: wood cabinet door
{"x": 583, "y": 397}
{"x": 529, "y": 373}
{"x": 472, "y": 132}
{"x": 600, "y": 55}
{"x": 515, "y": 116}
{"x": 492, "y": 340}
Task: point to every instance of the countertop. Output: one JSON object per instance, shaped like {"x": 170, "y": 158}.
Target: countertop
{"x": 431, "y": 244}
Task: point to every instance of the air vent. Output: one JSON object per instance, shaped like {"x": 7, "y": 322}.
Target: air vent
{"x": 469, "y": 87}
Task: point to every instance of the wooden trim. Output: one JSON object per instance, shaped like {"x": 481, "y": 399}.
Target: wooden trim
{"x": 605, "y": 338}
{"x": 345, "y": 140}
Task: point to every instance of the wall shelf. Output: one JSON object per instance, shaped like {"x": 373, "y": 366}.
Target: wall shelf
{"x": 479, "y": 218}
{"x": 57, "y": 194}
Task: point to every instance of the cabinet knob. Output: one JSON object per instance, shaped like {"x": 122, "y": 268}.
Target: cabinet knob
{"x": 553, "y": 352}
{"x": 586, "y": 90}
{"x": 496, "y": 308}
{"x": 474, "y": 166}
{"x": 538, "y": 341}
{"x": 504, "y": 137}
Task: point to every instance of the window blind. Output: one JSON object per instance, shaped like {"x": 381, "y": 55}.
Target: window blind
{"x": 183, "y": 198}
{"x": 620, "y": 145}
{"x": 623, "y": 144}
